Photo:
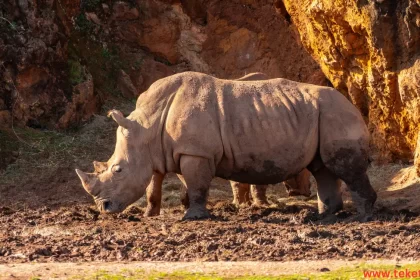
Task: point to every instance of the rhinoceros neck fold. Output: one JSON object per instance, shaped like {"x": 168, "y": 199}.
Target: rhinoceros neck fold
{"x": 152, "y": 110}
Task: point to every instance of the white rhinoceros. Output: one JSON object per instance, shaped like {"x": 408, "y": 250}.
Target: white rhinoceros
{"x": 243, "y": 193}
{"x": 257, "y": 132}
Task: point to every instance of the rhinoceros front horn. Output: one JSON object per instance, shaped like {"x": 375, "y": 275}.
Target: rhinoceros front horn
{"x": 119, "y": 118}
{"x": 88, "y": 180}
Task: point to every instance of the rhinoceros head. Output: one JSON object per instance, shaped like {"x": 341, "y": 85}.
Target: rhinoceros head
{"x": 123, "y": 179}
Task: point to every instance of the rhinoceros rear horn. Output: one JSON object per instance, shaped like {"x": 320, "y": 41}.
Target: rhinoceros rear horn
{"x": 88, "y": 180}
{"x": 119, "y": 118}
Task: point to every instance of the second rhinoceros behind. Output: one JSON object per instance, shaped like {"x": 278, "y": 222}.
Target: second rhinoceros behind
{"x": 257, "y": 132}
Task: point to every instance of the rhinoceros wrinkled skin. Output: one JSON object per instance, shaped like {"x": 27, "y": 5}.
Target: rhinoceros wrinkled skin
{"x": 202, "y": 127}
{"x": 243, "y": 193}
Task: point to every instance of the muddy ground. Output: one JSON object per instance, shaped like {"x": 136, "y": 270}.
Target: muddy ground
{"x": 45, "y": 216}
{"x": 288, "y": 230}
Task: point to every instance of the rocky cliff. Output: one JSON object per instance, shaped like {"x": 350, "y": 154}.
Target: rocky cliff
{"x": 60, "y": 59}
{"x": 370, "y": 51}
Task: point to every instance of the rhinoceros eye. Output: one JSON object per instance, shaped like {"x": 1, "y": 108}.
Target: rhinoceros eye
{"x": 117, "y": 168}
{"x": 125, "y": 132}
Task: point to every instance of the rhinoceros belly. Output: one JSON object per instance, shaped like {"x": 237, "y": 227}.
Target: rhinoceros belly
{"x": 265, "y": 167}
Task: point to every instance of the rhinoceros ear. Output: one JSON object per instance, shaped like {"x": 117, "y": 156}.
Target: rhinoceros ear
{"x": 119, "y": 118}
{"x": 100, "y": 166}
{"x": 88, "y": 180}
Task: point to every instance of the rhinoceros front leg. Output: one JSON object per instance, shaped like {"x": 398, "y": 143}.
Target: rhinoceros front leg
{"x": 329, "y": 191}
{"x": 259, "y": 195}
{"x": 197, "y": 175}
{"x": 241, "y": 193}
{"x": 154, "y": 195}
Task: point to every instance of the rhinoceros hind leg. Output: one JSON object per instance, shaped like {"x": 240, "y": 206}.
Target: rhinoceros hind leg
{"x": 351, "y": 167}
{"x": 241, "y": 193}
{"x": 329, "y": 191}
{"x": 154, "y": 195}
{"x": 197, "y": 175}
{"x": 259, "y": 195}
{"x": 363, "y": 196}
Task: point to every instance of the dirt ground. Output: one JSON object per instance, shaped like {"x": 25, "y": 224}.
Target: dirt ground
{"x": 45, "y": 215}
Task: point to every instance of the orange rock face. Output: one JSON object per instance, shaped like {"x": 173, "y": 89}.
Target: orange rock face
{"x": 225, "y": 38}
{"x": 370, "y": 51}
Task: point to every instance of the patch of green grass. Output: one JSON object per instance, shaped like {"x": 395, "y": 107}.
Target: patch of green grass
{"x": 346, "y": 273}
{"x": 106, "y": 53}
{"x": 76, "y": 72}
{"x": 7, "y": 25}
{"x": 83, "y": 24}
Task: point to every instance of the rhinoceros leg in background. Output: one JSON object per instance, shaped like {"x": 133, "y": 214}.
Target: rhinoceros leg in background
{"x": 259, "y": 197}
{"x": 154, "y": 195}
{"x": 300, "y": 184}
{"x": 241, "y": 193}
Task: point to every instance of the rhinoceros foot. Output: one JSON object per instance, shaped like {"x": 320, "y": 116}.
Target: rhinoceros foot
{"x": 151, "y": 211}
{"x": 196, "y": 213}
{"x": 261, "y": 204}
{"x": 239, "y": 204}
{"x": 259, "y": 196}
{"x": 361, "y": 218}
{"x": 327, "y": 219}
